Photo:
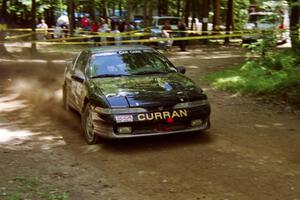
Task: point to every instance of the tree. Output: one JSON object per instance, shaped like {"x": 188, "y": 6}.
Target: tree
{"x": 3, "y": 24}
{"x": 4, "y": 9}
{"x": 294, "y": 23}
{"x": 178, "y": 5}
{"x": 148, "y": 9}
{"x": 105, "y": 9}
{"x": 120, "y": 8}
{"x": 3, "y": 51}
{"x": 229, "y": 19}
{"x": 217, "y": 12}
{"x": 129, "y": 10}
{"x": 205, "y": 16}
{"x": 163, "y": 7}
{"x": 33, "y": 27}
{"x": 187, "y": 11}
{"x": 70, "y": 4}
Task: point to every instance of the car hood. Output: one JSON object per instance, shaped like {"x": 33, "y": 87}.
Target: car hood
{"x": 148, "y": 91}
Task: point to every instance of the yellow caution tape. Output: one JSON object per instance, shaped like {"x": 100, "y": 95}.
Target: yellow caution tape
{"x": 201, "y": 37}
{"x": 3, "y": 27}
{"x": 18, "y": 36}
{"x": 105, "y": 35}
{"x": 30, "y": 29}
{"x": 150, "y": 40}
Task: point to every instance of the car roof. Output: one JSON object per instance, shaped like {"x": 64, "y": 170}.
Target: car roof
{"x": 104, "y": 49}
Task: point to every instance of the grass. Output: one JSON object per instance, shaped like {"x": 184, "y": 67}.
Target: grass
{"x": 277, "y": 77}
{"x": 33, "y": 188}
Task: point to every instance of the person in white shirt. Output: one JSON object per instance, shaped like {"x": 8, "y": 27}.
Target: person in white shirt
{"x": 43, "y": 32}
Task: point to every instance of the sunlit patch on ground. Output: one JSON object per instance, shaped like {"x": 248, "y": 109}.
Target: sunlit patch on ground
{"x": 233, "y": 79}
{"x": 27, "y": 108}
{"x": 13, "y": 137}
{"x": 9, "y": 103}
{"x": 19, "y": 139}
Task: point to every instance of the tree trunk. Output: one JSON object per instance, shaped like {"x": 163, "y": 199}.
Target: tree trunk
{"x": 3, "y": 51}
{"x": 113, "y": 6}
{"x": 51, "y": 21}
{"x": 229, "y": 19}
{"x": 91, "y": 9}
{"x": 159, "y": 7}
{"x": 104, "y": 10}
{"x": 33, "y": 27}
{"x": 129, "y": 11}
{"x": 294, "y": 23}
{"x": 4, "y": 9}
{"x": 163, "y": 7}
{"x": 216, "y": 18}
{"x": 187, "y": 11}
{"x": 148, "y": 9}
{"x": 205, "y": 16}
{"x": 120, "y": 8}
{"x": 178, "y": 7}
{"x": 70, "y": 5}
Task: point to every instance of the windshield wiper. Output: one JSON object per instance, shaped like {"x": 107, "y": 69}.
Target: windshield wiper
{"x": 144, "y": 73}
{"x": 108, "y": 75}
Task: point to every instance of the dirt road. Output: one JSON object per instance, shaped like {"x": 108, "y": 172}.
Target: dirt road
{"x": 251, "y": 152}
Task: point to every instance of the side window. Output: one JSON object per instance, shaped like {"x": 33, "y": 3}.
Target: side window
{"x": 81, "y": 62}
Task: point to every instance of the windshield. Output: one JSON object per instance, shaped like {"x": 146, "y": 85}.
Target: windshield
{"x": 128, "y": 63}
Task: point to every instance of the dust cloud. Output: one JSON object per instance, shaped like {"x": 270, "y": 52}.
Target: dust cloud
{"x": 42, "y": 90}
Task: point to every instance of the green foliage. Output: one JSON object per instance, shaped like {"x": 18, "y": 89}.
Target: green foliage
{"x": 278, "y": 73}
{"x": 33, "y": 188}
{"x": 240, "y": 13}
{"x": 265, "y": 43}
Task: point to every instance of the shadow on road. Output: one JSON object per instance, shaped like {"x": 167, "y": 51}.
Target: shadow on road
{"x": 157, "y": 143}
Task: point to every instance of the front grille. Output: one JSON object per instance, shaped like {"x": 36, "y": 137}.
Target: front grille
{"x": 159, "y": 127}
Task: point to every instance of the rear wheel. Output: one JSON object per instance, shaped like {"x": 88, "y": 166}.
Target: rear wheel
{"x": 88, "y": 127}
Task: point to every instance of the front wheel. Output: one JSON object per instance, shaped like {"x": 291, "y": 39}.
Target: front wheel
{"x": 88, "y": 127}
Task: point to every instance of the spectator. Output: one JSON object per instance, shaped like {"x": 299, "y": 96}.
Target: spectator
{"x": 57, "y": 31}
{"x": 166, "y": 34}
{"x": 103, "y": 29}
{"x": 85, "y": 23}
{"x": 94, "y": 26}
{"x": 115, "y": 30}
{"x": 42, "y": 25}
{"x": 182, "y": 29}
{"x": 43, "y": 33}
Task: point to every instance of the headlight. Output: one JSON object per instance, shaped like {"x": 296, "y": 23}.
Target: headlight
{"x": 119, "y": 110}
{"x": 191, "y": 104}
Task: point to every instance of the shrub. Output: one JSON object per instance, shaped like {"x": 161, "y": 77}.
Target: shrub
{"x": 277, "y": 75}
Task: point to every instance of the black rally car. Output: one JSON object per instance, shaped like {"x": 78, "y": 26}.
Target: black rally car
{"x": 132, "y": 91}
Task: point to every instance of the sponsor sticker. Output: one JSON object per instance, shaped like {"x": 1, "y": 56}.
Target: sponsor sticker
{"x": 162, "y": 115}
{"x": 124, "y": 118}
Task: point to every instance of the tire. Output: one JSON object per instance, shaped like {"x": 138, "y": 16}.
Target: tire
{"x": 65, "y": 98}
{"x": 87, "y": 125}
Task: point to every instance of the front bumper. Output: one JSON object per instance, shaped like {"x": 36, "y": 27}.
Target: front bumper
{"x": 152, "y": 128}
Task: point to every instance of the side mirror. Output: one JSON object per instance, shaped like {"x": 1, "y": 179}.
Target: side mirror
{"x": 181, "y": 70}
{"x": 77, "y": 77}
